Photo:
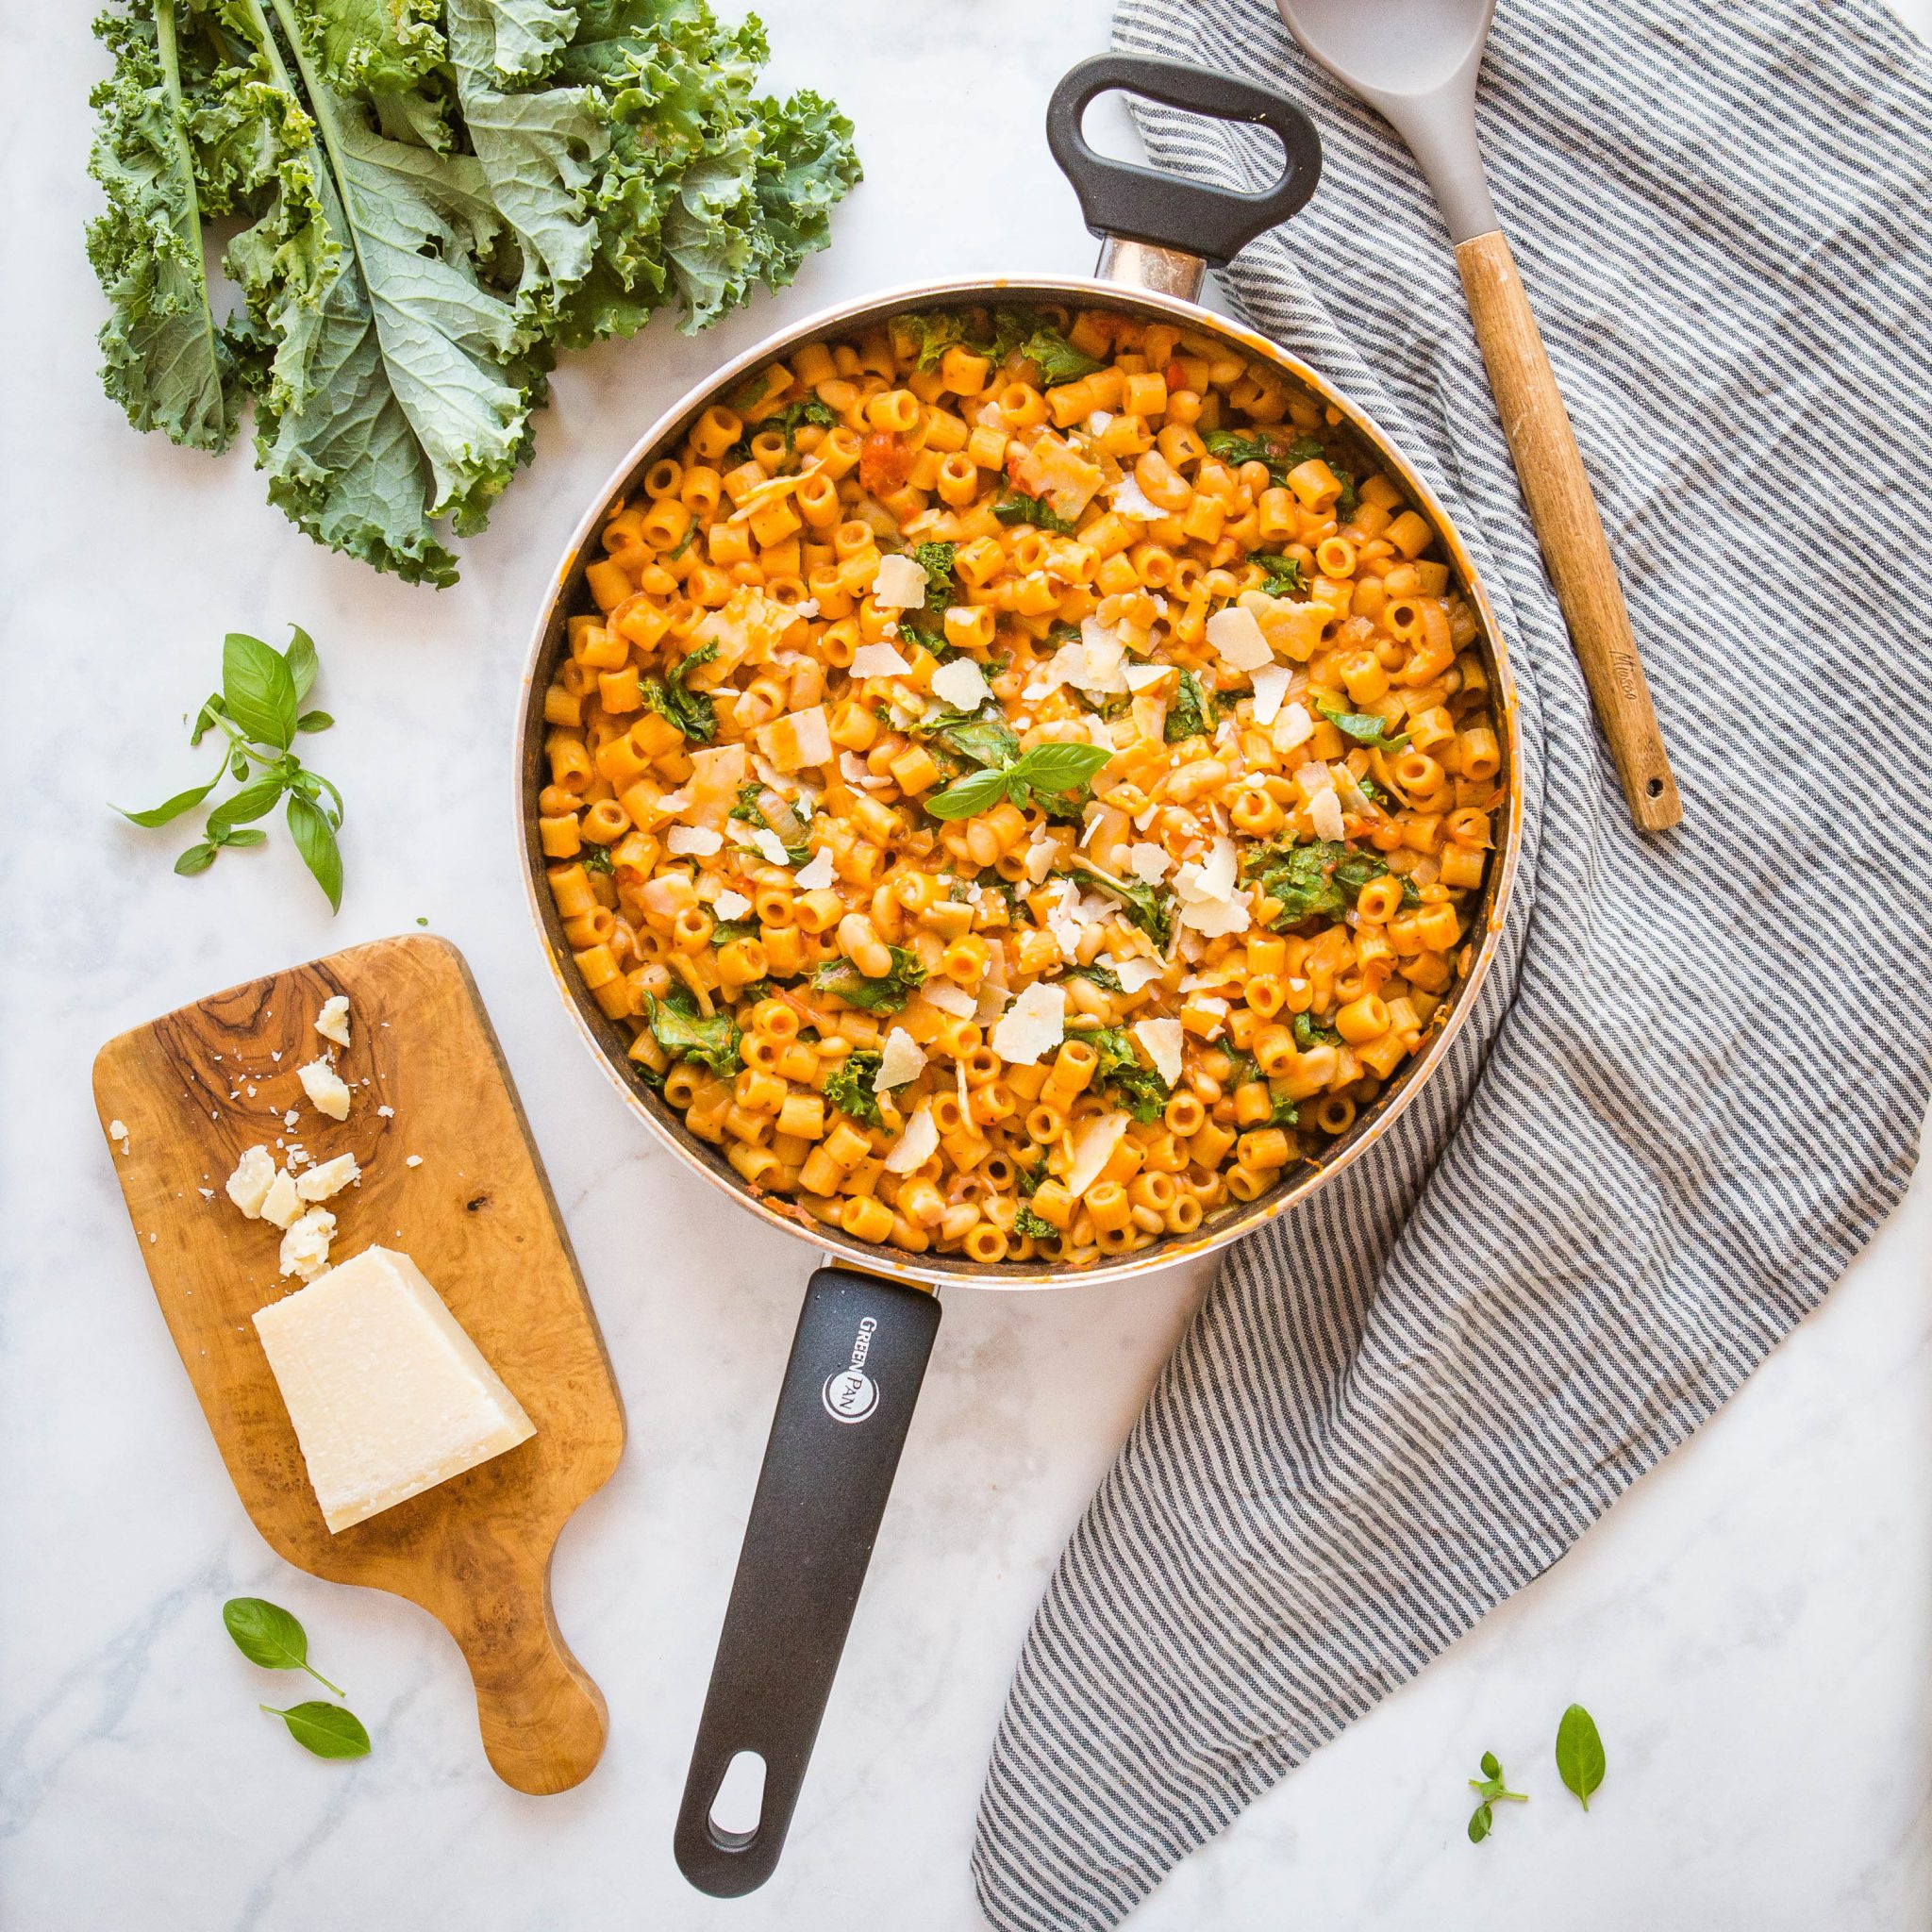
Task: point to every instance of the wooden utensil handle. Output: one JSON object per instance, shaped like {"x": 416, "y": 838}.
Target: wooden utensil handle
{"x": 543, "y": 1720}
{"x": 1568, "y": 526}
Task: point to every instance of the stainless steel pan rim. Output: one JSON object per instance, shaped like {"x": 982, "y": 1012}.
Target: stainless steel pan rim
{"x": 1137, "y": 267}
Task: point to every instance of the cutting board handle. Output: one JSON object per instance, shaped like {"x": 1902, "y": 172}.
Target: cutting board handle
{"x": 544, "y": 1720}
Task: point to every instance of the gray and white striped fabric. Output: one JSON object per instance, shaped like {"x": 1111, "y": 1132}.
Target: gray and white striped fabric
{"x": 1696, "y": 1078}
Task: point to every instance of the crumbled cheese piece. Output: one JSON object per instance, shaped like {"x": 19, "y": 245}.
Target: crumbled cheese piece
{"x": 1034, "y": 1025}
{"x": 816, "y": 873}
{"x": 1148, "y": 864}
{"x": 1094, "y": 1146}
{"x": 329, "y": 1177}
{"x": 1097, "y": 420}
{"x": 899, "y": 584}
{"x": 1270, "y": 682}
{"x": 248, "y": 1185}
{"x": 281, "y": 1204}
{"x": 878, "y": 661}
{"x": 326, "y": 1090}
{"x": 1324, "y": 813}
{"x": 1144, "y": 676}
{"x": 117, "y": 1130}
{"x": 696, "y": 842}
{"x": 901, "y": 1059}
{"x": 770, "y": 845}
{"x": 388, "y": 1113}
{"x": 1163, "y": 1039}
{"x": 916, "y": 1145}
{"x": 332, "y": 1022}
{"x": 413, "y": 1160}
{"x": 730, "y": 905}
{"x": 1131, "y": 500}
{"x": 949, "y": 998}
{"x": 1238, "y": 639}
{"x": 1136, "y": 972}
{"x": 305, "y": 1247}
{"x": 804, "y": 738}
{"x": 207, "y": 1195}
{"x": 961, "y": 684}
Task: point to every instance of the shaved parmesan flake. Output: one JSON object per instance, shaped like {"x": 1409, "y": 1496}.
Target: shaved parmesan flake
{"x": 769, "y": 845}
{"x": 1131, "y": 500}
{"x": 804, "y": 738}
{"x": 1034, "y": 1025}
{"x": 1325, "y": 814}
{"x": 951, "y": 999}
{"x": 902, "y": 1058}
{"x": 696, "y": 842}
{"x": 1145, "y": 677}
{"x": 730, "y": 905}
{"x": 1292, "y": 729}
{"x": 716, "y": 773}
{"x": 817, "y": 874}
{"x": 1094, "y": 1146}
{"x": 1134, "y": 974}
{"x": 1148, "y": 864}
{"x": 332, "y": 1022}
{"x": 899, "y": 585}
{"x": 878, "y": 661}
{"x": 1237, "y": 637}
{"x": 1210, "y": 902}
{"x": 916, "y": 1145}
{"x": 1270, "y": 682}
{"x": 1163, "y": 1039}
{"x": 961, "y": 683}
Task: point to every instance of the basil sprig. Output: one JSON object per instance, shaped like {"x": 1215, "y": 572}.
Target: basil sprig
{"x": 1491, "y": 1788}
{"x": 259, "y": 710}
{"x": 1047, "y": 769}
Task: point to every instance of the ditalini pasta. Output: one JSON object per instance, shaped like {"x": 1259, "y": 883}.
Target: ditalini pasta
{"x": 1019, "y": 787}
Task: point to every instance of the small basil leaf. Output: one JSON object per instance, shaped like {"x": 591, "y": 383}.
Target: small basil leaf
{"x": 315, "y": 839}
{"x": 1491, "y": 1766}
{"x": 1580, "y": 1761}
{"x": 205, "y": 720}
{"x": 170, "y": 809}
{"x": 966, "y": 797}
{"x": 301, "y": 659}
{"x": 252, "y": 802}
{"x": 243, "y": 835}
{"x": 326, "y": 1729}
{"x": 1479, "y": 1822}
{"x": 257, "y": 690}
{"x": 270, "y": 1636}
{"x": 238, "y": 763}
{"x": 1060, "y": 767}
{"x": 313, "y": 721}
{"x": 196, "y": 859}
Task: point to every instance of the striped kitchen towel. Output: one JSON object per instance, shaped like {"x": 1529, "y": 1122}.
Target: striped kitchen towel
{"x": 1695, "y": 1081}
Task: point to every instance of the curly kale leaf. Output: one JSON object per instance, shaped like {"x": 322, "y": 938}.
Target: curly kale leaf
{"x": 167, "y": 364}
{"x": 849, "y": 1087}
{"x": 1323, "y": 877}
{"x": 681, "y": 1030}
{"x": 884, "y": 995}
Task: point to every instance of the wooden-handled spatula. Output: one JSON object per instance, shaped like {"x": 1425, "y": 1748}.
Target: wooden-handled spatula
{"x": 1415, "y": 62}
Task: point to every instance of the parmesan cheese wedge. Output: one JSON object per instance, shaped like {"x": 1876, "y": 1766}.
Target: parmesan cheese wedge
{"x": 388, "y": 1395}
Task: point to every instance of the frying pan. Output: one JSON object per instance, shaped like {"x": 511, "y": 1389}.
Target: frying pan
{"x": 870, "y": 1316}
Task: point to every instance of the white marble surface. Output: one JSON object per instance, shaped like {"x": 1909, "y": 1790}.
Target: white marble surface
{"x": 1754, "y": 1625}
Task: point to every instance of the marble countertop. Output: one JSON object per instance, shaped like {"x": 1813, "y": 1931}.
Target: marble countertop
{"x": 1753, "y": 1625}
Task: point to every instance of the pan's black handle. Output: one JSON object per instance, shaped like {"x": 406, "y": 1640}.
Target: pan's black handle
{"x": 1137, "y": 204}
{"x": 856, "y": 1363}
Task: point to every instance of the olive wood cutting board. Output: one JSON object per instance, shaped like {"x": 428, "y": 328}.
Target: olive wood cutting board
{"x": 196, "y": 1087}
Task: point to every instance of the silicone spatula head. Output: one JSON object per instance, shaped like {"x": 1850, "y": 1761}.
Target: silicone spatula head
{"x": 1415, "y": 62}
